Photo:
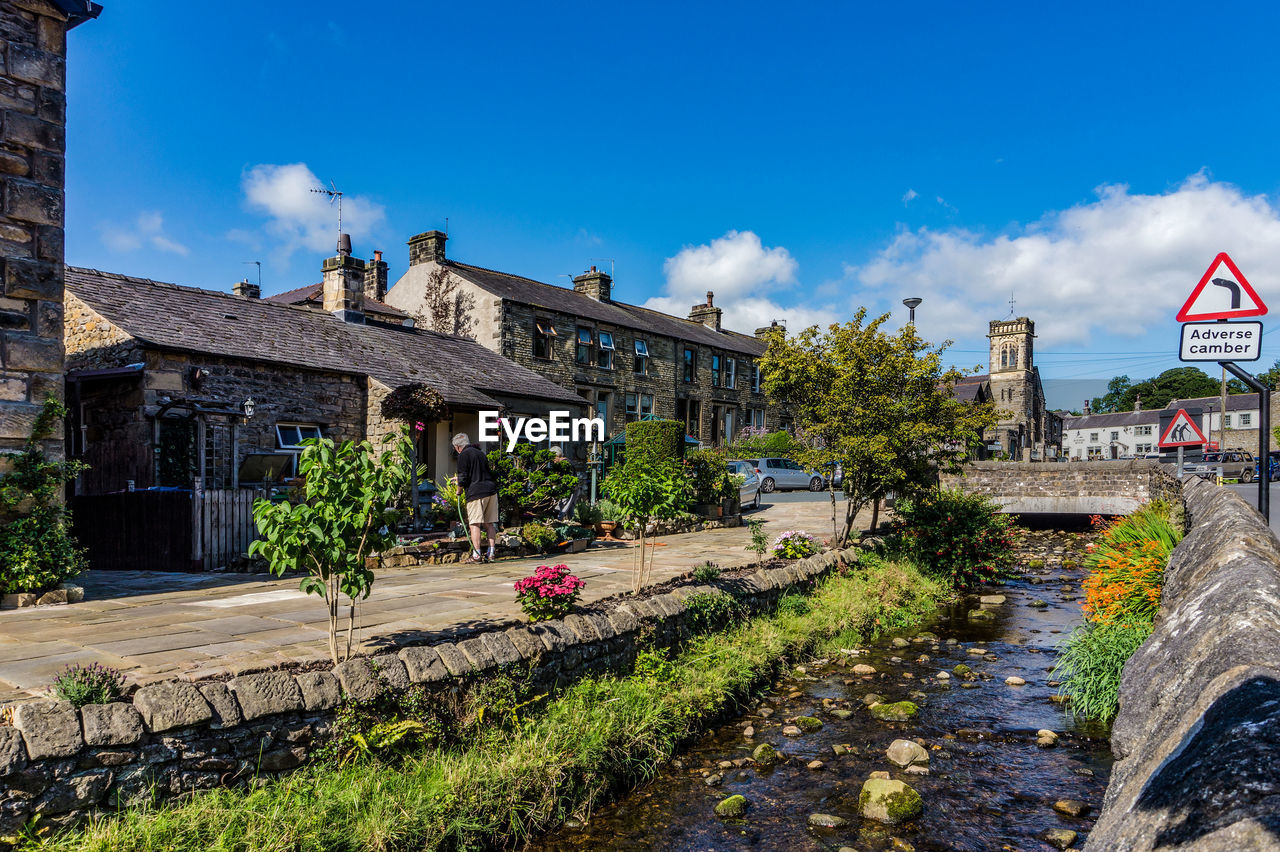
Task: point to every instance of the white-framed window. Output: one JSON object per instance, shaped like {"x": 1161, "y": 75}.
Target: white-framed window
{"x": 604, "y": 357}
{"x": 755, "y": 377}
{"x": 1226, "y": 421}
{"x": 1093, "y": 436}
{"x": 1246, "y": 420}
{"x": 757, "y": 418}
{"x": 642, "y": 357}
{"x": 730, "y": 373}
{"x": 1142, "y": 431}
{"x": 1144, "y": 448}
{"x": 1115, "y": 436}
{"x": 290, "y": 436}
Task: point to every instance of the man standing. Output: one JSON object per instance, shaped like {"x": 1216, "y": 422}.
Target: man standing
{"x": 477, "y": 483}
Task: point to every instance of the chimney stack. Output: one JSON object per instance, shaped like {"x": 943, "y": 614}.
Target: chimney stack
{"x": 1087, "y": 410}
{"x": 375, "y": 278}
{"x": 427, "y": 247}
{"x": 344, "y": 282}
{"x": 765, "y": 331}
{"x": 594, "y": 283}
{"x": 708, "y": 314}
{"x": 249, "y": 291}
{"x": 1137, "y": 402}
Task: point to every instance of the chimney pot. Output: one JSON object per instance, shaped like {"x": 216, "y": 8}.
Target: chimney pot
{"x": 377, "y": 255}
{"x": 344, "y": 245}
{"x": 710, "y": 296}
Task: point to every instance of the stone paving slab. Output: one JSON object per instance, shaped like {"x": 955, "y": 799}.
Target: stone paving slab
{"x": 156, "y": 625}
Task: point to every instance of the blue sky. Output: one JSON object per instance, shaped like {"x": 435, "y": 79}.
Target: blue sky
{"x": 800, "y": 161}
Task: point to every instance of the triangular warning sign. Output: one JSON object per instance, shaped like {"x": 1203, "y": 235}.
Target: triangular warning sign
{"x": 1223, "y": 293}
{"x": 1182, "y": 432}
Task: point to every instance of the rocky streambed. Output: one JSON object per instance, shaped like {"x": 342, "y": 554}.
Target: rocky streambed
{"x": 945, "y": 737}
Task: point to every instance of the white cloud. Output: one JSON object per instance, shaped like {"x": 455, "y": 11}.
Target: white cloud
{"x": 908, "y": 196}
{"x": 302, "y": 218}
{"x": 146, "y": 230}
{"x": 1120, "y": 265}
{"x": 745, "y": 277}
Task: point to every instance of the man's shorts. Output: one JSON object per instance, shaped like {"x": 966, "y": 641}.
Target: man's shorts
{"x": 483, "y": 510}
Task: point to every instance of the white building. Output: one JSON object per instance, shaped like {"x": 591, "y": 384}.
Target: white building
{"x": 1137, "y": 433}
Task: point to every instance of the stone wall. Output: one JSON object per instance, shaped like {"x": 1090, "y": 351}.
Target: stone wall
{"x": 1196, "y": 740}
{"x": 33, "y": 104}
{"x": 1081, "y": 488}
{"x": 179, "y": 736}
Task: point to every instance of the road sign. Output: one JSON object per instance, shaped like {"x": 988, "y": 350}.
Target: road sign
{"x": 1221, "y": 341}
{"x": 1223, "y": 293}
{"x": 1182, "y": 432}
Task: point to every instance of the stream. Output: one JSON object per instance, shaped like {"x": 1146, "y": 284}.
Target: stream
{"x": 989, "y": 786}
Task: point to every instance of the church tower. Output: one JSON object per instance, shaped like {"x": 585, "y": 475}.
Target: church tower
{"x": 1015, "y": 386}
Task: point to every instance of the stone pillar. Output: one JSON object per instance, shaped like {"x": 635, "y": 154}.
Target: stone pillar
{"x": 33, "y": 82}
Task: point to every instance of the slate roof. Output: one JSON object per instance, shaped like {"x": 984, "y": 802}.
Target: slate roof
{"x": 170, "y": 316}
{"x": 313, "y": 295}
{"x": 563, "y": 300}
{"x": 970, "y": 388}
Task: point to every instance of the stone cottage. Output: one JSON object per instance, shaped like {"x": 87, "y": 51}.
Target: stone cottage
{"x": 167, "y": 383}
{"x": 626, "y": 362}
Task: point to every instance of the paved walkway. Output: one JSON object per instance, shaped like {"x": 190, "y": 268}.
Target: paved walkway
{"x": 163, "y": 625}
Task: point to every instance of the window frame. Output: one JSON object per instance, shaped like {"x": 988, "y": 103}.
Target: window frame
{"x": 641, "y": 364}
{"x": 544, "y": 337}
{"x": 604, "y": 352}
{"x": 296, "y": 447}
{"x": 756, "y": 379}
{"x": 689, "y": 365}
{"x": 1246, "y": 419}
{"x": 717, "y": 363}
{"x": 582, "y": 354}
{"x": 730, "y": 373}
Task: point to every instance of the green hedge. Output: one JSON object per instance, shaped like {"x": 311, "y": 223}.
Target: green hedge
{"x": 653, "y": 443}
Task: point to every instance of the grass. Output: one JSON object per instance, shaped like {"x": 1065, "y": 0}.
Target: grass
{"x": 600, "y": 736}
{"x": 1091, "y": 664}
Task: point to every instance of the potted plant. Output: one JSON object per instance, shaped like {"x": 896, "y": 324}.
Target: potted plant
{"x": 609, "y": 515}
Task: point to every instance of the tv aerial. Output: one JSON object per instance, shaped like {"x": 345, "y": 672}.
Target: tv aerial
{"x": 334, "y": 194}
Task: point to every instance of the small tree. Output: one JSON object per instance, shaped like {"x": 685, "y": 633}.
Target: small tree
{"x": 343, "y": 514}
{"x": 643, "y": 493}
{"x": 531, "y": 481}
{"x": 448, "y": 308}
{"x": 879, "y": 404}
{"x": 36, "y": 551}
{"x": 759, "y": 539}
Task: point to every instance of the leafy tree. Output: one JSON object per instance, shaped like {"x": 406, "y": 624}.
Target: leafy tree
{"x": 531, "y": 482}
{"x": 1115, "y": 397}
{"x": 643, "y": 493}
{"x": 343, "y": 513}
{"x": 1159, "y": 391}
{"x": 36, "y": 551}
{"x": 879, "y": 404}
{"x": 1268, "y": 377}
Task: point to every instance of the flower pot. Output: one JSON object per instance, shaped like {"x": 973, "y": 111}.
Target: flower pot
{"x": 606, "y": 528}
{"x": 708, "y": 510}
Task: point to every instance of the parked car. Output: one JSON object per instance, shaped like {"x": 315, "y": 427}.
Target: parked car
{"x": 1234, "y": 464}
{"x": 749, "y": 492}
{"x": 1273, "y": 469}
{"x": 778, "y": 473}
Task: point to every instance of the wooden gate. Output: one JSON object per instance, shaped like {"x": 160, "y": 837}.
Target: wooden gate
{"x": 224, "y": 526}
{"x": 164, "y": 530}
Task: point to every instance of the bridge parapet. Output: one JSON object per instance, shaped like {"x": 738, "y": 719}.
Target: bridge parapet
{"x": 1068, "y": 488}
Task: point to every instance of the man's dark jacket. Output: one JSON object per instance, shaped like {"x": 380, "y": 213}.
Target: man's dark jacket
{"x": 474, "y": 476}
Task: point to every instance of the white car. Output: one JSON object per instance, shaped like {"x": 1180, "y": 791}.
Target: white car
{"x": 779, "y": 473}
{"x": 749, "y": 491}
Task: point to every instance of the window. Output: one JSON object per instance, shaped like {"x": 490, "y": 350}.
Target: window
{"x": 1008, "y": 356}
{"x": 730, "y": 373}
{"x": 1246, "y": 420}
{"x": 1093, "y": 436}
{"x": 291, "y": 435}
{"x": 757, "y": 418}
{"x": 715, "y": 370}
{"x": 1144, "y": 448}
{"x": 543, "y": 332}
{"x": 604, "y": 358}
{"x": 584, "y": 346}
{"x": 690, "y": 364}
{"x": 642, "y": 357}
{"x": 1095, "y": 453}
{"x": 695, "y": 418}
{"x": 1226, "y": 421}
{"x": 755, "y": 377}
{"x": 639, "y": 406}
{"x": 1142, "y": 431}
{"x": 1115, "y": 436}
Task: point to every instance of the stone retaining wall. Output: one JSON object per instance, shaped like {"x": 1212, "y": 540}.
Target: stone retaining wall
{"x": 1072, "y": 488}
{"x": 1198, "y": 734}
{"x": 177, "y": 736}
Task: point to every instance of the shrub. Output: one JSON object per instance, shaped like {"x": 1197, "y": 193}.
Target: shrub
{"x": 609, "y": 511}
{"x": 91, "y": 684}
{"x": 587, "y": 514}
{"x": 538, "y": 536}
{"x": 959, "y": 536}
{"x": 752, "y": 441}
{"x": 654, "y": 443}
{"x": 709, "y": 475}
{"x": 707, "y": 572}
{"x": 36, "y": 551}
{"x": 531, "y": 481}
{"x": 794, "y": 544}
{"x": 707, "y": 611}
{"x": 550, "y": 592}
{"x": 759, "y": 539}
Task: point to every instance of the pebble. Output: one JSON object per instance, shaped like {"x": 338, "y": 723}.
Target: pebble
{"x": 766, "y": 712}
{"x": 1046, "y": 738}
{"x": 712, "y": 780}
{"x": 1015, "y": 681}
{"x": 827, "y": 821}
{"x": 917, "y": 770}
{"x": 899, "y": 642}
{"x": 991, "y": 599}
{"x": 976, "y": 652}
{"x": 872, "y": 698}
{"x": 749, "y": 731}
{"x": 1038, "y": 604}
{"x": 791, "y": 731}
{"x": 725, "y": 764}
{"x": 1072, "y": 807}
{"x": 923, "y": 658}
{"x": 881, "y": 774}
{"x": 1088, "y": 773}
{"x": 732, "y": 807}
{"x": 841, "y": 713}
{"x": 814, "y": 764}
{"x": 968, "y": 684}
{"x": 944, "y": 675}
{"x": 864, "y": 669}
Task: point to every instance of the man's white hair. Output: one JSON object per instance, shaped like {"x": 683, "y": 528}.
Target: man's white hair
{"x": 461, "y": 440}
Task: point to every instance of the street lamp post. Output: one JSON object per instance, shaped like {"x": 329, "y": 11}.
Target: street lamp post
{"x": 912, "y": 303}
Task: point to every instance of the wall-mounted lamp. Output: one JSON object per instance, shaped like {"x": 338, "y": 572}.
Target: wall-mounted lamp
{"x": 247, "y": 407}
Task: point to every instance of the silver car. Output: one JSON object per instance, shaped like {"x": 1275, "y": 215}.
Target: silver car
{"x": 749, "y": 491}
{"x": 780, "y": 473}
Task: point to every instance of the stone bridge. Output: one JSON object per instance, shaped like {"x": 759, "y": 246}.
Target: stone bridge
{"x": 1067, "y": 488}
